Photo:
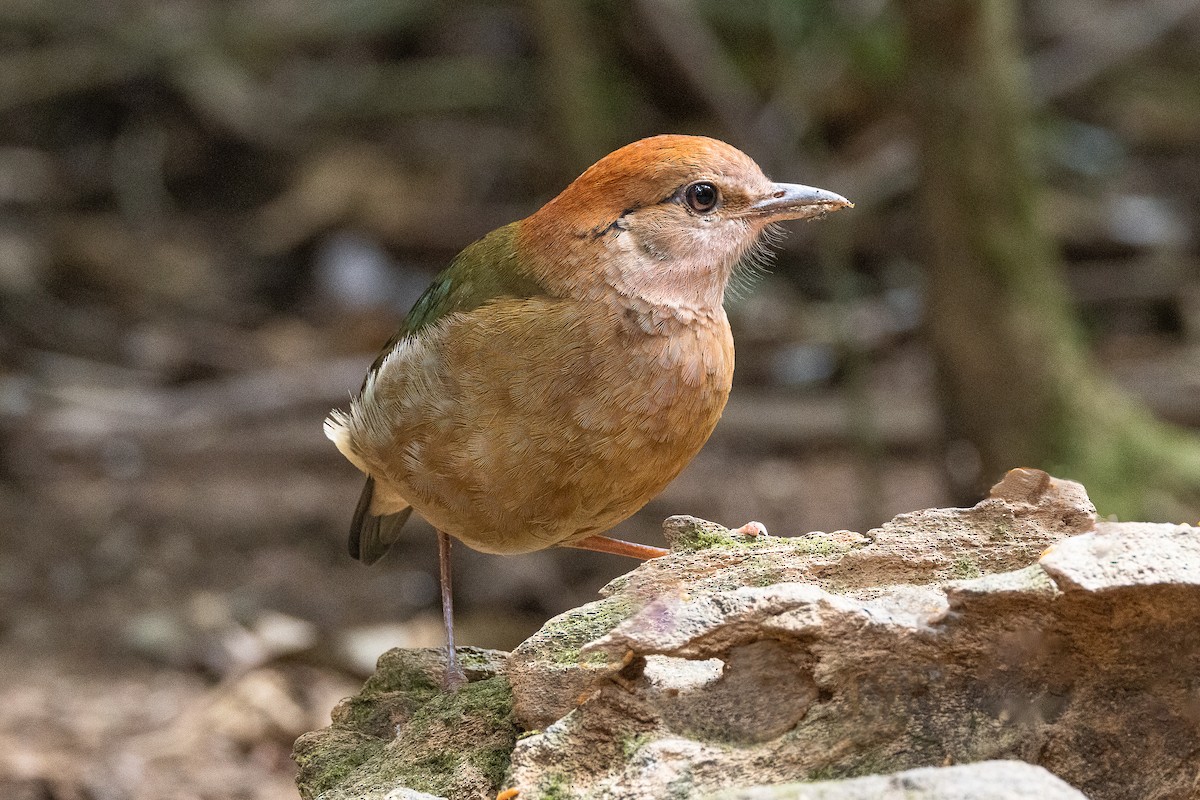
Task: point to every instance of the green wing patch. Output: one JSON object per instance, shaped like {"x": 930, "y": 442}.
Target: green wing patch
{"x": 487, "y": 270}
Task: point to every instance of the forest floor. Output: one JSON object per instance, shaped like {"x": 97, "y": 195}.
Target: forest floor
{"x": 192, "y": 270}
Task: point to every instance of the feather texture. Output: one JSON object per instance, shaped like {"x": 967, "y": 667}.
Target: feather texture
{"x": 487, "y": 270}
{"x": 563, "y": 369}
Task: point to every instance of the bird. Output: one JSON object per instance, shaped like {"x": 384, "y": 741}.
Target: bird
{"x": 564, "y": 368}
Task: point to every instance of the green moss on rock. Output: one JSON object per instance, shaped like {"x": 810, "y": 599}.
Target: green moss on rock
{"x": 689, "y": 534}
{"x": 375, "y": 715}
{"x": 449, "y": 744}
{"x": 492, "y": 763}
{"x": 561, "y": 638}
{"x": 415, "y": 673}
{"x": 818, "y": 545}
{"x": 965, "y": 567}
{"x": 632, "y": 743}
{"x": 453, "y": 744}
{"x": 554, "y": 787}
{"x": 327, "y": 758}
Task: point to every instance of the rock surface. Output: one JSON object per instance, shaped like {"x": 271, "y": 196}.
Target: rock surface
{"x": 1017, "y": 629}
{"x": 987, "y": 780}
{"x": 402, "y": 738}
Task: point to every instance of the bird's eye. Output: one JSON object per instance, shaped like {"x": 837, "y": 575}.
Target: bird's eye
{"x": 702, "y": 197}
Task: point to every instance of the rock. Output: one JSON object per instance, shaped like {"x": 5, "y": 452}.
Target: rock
{"x": 550, "y": 668}
{"x": 401, "y": 737}
{"x": 409, "y": 794}
{"x": 1124, "y": 555}
{"x": 1025, "y": 513}
{"x": 987, "y": 780}
{"x": 1017, "y": 629}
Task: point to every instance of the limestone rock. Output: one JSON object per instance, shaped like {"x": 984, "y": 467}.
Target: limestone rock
{"x": 1025, "y": 513}
{"x": 1125, "y": 555}
{"x": 987, "y": 780}
{"x": 1018, "y": 629}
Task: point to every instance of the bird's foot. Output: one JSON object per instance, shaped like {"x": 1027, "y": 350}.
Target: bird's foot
{"x": 751, "y": 530}
{"x": 455, "y": 678}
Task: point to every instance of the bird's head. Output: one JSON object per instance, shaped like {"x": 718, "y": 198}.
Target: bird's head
{"x": 667, "y": 219}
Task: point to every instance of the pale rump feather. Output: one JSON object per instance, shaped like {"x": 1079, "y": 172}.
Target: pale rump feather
{"x": 338, "y": 429}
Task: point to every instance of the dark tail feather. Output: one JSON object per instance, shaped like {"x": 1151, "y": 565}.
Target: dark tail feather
{"x": 372, "y": 536}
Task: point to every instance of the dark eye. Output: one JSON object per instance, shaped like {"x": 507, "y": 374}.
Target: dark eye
{"x": 702, "y": 197}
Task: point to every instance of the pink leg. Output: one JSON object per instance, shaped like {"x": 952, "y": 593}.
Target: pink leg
{"x": 455, "y": 677}
{"x": 605, "y": 544}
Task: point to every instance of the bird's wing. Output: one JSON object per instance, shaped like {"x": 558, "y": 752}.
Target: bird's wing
{"x": 371, "y": 535}
{"x": 487, "y": 270}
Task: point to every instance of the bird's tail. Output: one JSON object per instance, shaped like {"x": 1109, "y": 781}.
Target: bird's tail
{"x": 371, "y": 536}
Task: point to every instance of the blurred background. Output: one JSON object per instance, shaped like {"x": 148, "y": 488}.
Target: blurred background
{"x": 212, "y": 212}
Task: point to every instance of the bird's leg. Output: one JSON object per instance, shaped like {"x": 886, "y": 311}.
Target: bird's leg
{"x": 455, "y": 677}
{"x": 605, "y": 544}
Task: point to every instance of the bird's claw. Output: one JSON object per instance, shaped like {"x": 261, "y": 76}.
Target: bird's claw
{"x": 751, "y": 530}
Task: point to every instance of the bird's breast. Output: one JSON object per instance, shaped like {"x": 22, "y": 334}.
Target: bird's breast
{"x": 546, "y": 420}
{"x": 658, "y": 374}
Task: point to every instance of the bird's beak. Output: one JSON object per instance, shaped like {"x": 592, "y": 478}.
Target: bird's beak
{"x": 793, "y": 201}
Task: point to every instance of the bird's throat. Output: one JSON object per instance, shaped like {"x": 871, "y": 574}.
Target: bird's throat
{"x": 688, "y": 286}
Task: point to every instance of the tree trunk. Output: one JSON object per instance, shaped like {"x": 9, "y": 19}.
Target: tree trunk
{"x": 1016, "y": 379}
